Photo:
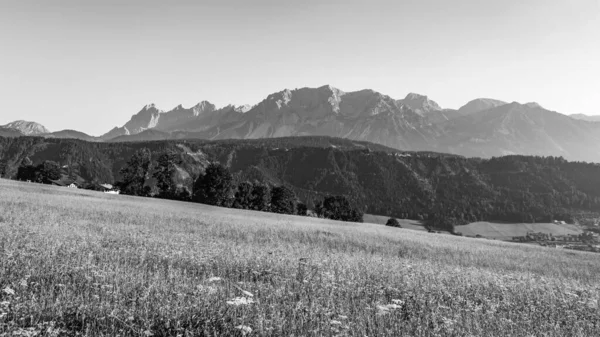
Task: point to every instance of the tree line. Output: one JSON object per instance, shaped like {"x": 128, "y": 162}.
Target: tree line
{"x": 217, "y": 187}
{"x": 44, "y": 173}
{"x": 443, "y": 190}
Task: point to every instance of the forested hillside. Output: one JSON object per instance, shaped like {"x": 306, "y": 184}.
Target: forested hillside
{"x": 445, "y": 189}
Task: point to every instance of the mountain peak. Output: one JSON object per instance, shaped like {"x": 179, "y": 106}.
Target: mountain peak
{"x": 533, "y": 105}
{"x": 330, "y": 88}
{"x": 414, "y": 96}
{"x": 150, "y": 106}
{"x": 420, "y": 103}
{"x": 478, "y": 105}
{"x": 242, "y": 108}
{"x": 204, "y": 106}
{"x": 27, "y": 127}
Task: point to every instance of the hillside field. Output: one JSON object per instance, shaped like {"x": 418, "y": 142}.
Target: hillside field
{"x": 405, "y": 223}
{"x": 75, "y": 262}
{"x": 506, "y": 231}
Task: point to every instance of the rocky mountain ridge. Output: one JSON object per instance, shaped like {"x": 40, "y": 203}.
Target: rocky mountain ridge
{"x": 482, "y": 127}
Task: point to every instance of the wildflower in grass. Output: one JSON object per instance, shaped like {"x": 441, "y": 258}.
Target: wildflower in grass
{"x": 8, "y": 291}
{"x": 214, "y": 279}
{"x": 244, "y": 329}
{"x": 448, "y": 322}
{"x": 247, "y": 293}
{"x": 241, "y": 301}
{"x": 385, "y": 309}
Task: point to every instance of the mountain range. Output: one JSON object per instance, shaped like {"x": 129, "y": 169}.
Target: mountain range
{"x": 483, "y": 127}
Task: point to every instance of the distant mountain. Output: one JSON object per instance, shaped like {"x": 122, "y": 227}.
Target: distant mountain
{"x": 420, "y": 103}
{"x": 197, "y": 118}
{"x": 478, "y": 105}
{"x": 522, "y": 129}
{"x": 27, "y": 128}
{"x": 363, "y": 115}
{"x": 72, "y": 134}
{"x": 483, "y": 127}
{"x": 594, "y": 118}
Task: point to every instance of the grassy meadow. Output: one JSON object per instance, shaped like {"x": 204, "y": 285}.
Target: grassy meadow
{"x": 506, "y": 231}
{"x": 76, "y": 262}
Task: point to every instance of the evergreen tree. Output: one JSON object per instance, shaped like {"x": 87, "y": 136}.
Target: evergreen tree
{"x": 163, "y": 173}
{"x": 26, "y": 171}
{"x": 261, "y": 197}
{"x": 283, "y": 200}
{"x": 302, "y": 209}
{"x": 3, "y": 166}
{"x": 72, "y": 171}
{"x": 215, "y": 186}
{"x": 244, "y": 195}
{"x": 135, "y": 174}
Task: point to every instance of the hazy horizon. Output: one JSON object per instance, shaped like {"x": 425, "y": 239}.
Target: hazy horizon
{"x": 90, "y": 66}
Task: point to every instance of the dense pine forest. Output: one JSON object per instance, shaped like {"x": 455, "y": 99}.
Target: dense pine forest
{"x": 446, "y": 190}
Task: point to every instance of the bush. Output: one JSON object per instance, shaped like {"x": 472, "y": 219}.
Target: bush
{"x": 393, "y": 222}
{"x": 339, "y": 208}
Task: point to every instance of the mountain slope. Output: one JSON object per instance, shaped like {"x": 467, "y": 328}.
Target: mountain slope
{"x": 594, "y": 118}
{"x": 146, "y": 135}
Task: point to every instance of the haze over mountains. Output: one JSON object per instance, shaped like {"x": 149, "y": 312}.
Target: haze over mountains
{"x": 483, "y": 127}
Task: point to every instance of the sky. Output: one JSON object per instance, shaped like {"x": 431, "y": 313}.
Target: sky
{"x": 90, "y": 65}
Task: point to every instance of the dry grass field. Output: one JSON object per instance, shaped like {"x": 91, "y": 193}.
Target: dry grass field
{"x": 83, "y": 263}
